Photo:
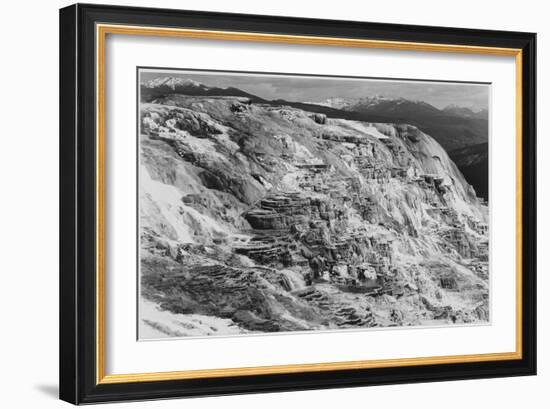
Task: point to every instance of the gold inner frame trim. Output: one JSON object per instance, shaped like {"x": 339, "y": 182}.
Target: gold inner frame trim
{"x": 102, "y": 30}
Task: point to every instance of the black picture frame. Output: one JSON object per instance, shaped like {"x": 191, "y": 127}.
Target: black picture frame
{"x": 78, "y": 312}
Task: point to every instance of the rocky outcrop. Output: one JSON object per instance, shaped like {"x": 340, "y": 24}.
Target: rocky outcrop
{"x": 277, "y": 219}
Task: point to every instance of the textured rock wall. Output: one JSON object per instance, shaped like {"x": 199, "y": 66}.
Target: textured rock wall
{"x": 276, "y": 219}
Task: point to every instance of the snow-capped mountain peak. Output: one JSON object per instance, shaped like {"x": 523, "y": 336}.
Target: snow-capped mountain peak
{"x": 465, "y": 112}
{"x": 335, "y": 102}
{"x": 173, "y": 83}
{"x": 365, "y": 102}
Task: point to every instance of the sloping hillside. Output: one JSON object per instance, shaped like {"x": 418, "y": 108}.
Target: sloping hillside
{"x": 473, "y": 162}
{"x": 266, "y": 217}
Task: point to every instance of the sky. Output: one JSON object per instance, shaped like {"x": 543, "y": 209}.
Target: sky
{"x": 316, "y": 89}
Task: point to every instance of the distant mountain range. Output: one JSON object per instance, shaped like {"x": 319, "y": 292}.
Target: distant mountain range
{"x": 379, "y": 102}
{"x": 453, "y": 127}
{"x": 466, "y": 112}
{"x": 175, "y": 85}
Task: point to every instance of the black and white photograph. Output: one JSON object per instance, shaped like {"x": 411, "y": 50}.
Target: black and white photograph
{"x": 281, "y": 203}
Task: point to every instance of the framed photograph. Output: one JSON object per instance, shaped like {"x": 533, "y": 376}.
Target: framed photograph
{"x": 257, "y": 203}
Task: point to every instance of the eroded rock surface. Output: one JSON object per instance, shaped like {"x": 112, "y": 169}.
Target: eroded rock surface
{"x": 269, "y": 218}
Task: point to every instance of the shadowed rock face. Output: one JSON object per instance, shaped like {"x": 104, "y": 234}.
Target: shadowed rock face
{"x": 263, "y": 218}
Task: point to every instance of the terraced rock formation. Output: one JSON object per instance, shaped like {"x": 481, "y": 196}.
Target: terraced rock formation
{"x": 263, "y": 218}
